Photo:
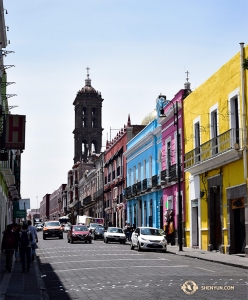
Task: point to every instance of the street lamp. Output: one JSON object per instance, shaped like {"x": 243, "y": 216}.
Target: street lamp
{"x": 176, "y": 122}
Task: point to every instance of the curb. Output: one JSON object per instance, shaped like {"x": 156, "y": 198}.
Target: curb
{"x": 211, "y": 260}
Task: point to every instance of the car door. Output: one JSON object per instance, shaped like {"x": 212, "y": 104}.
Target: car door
{"x": 135, "y": 236}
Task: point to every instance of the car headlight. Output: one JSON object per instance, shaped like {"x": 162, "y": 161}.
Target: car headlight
{"x": 73, "y": 234}
{"x": 163, "y": 240}
{"x": 145, "y": 239}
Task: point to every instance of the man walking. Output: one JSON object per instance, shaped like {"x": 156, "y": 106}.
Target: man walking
{"x": 8, "y": 245}
{"x": 25, "y": 247}
{"x": 33, "y": 231}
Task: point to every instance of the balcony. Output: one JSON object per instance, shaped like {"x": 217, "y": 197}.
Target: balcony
{"x": 119, "y": 171}
{"x": 147, "y": 184}
{"x": 154, "y": 181}
{"x": 173, "y": 173}
{"x": 138, "y": 187}
{"x": 128, "y": 192}
{"x": 98, "y": 193}
{"x": 163, "y": 175}
{"x": 214, "y": 153}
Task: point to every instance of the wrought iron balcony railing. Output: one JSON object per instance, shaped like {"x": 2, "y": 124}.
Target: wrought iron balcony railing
{"x": 212, "y": 148}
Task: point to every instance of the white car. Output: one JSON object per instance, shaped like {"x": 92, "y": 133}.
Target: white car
{"x": 148, "y": 238}
{"x": 114, "y": 234}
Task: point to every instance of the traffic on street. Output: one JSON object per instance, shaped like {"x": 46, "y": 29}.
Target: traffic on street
{"x": 112, "y": 270}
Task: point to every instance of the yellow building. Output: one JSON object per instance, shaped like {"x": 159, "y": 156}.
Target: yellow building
{"x": 215, "y": 132}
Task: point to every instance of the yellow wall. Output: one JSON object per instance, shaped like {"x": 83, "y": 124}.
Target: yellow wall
{"x": 197, "y": 105}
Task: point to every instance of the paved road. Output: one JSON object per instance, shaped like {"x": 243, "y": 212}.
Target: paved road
{"x": 113, "y": 271}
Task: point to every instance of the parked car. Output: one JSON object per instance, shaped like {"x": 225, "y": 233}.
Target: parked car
{"x": 148, "y": 238}
{"x": 79, "y": 233}
{"x": 52, "y": 229}
{"x": 114, "y": 234}
{"x": 39, "y": 227}
{"x": 66, "y": 227}
{"x": 98, "y": 232}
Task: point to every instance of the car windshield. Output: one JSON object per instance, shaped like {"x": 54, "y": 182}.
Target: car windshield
{"x": 115, "y": 230}
{"x": 150, "y": 231}
{"x": 93, "y": 225}
{"x": 80, "y": 228}
{"x": 52, "y": 224}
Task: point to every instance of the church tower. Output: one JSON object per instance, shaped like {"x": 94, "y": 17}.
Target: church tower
{"x": 88, "y": 122}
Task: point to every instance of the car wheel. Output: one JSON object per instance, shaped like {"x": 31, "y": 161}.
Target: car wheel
{"x": 131, "y": 246}
{"x": 44, "y": 237}
{"x": 61, "y": 237}
{"x": 123, "y": 242}
{"x": 138, "y": 246}
{"x": 90, "y": 241}
{"x": 106, "y": 240}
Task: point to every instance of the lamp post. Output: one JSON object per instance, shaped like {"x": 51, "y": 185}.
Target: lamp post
{"x": 179, "y": 219}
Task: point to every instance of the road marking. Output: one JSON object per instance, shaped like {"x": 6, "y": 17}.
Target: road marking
{"x": 205, "y": 269}
{"x": 96, "y": 260}
{"x": 121, "y": 267}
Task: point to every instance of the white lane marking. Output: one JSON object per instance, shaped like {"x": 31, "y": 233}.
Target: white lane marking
{"x": 96, "y": 260}
{"x": 205, "y": 269}
{"x": 121, "y": 267}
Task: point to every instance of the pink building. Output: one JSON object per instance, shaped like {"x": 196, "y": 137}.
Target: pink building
{"x": 169, "y": 174}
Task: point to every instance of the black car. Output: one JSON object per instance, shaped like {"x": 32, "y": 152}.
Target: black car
{"x": 97, "y": 232}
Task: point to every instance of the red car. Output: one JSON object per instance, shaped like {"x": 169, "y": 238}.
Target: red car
{"x": 79, "y": 233}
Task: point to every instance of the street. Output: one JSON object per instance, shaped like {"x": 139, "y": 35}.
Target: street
{"x": 113, "y": 271}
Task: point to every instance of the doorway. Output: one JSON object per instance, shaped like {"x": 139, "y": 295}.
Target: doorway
{"x": 215, "y": 219}
{"x": 195, "y": 224}
{"x": 239, "y": 230}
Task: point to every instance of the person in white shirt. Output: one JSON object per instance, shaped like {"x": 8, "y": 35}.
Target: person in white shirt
{"x": 33, "y": 231}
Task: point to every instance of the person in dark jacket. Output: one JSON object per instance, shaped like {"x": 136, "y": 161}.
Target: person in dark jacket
{"x": 8, "y": 246}
{"x": 25, "y": 249}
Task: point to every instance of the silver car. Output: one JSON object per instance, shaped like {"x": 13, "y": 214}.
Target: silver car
{"x": 148, "y": 238}
{"x": 114, "y": 234}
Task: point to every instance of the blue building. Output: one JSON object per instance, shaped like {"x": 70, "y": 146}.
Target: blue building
{"x": 143, "y": 193}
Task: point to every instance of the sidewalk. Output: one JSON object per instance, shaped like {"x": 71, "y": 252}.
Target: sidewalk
{"x": 21, "y": 286}
{"x": 235, "y": 260}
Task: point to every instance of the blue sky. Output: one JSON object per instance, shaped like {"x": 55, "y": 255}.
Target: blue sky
{"x": 135, "y": 50}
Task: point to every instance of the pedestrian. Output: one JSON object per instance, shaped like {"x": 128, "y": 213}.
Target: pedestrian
{"x": 25, "y": 247}
{"x": 16, "y": 230}
{"x": 8, "y": 246}
{"x": 33, "y": 231}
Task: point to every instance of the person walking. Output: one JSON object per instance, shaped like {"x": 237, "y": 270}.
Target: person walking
{"x": 16, "y": 230}
{"x": 8, "y": 246}
{"x": 25, "y": 247}
{"x": 33, "y": 231}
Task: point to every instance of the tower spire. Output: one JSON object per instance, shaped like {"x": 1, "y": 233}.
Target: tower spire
{"x": 88, "y": 80}
{"x": 187, "y": 83}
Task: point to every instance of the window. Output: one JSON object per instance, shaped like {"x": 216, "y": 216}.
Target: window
{"x": 197, "y": 141}
{"x": 214, "y": 132}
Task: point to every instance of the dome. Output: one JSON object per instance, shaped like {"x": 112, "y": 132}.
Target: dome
{"x": 149, "y": 117}
{"x": 88, "y": 89}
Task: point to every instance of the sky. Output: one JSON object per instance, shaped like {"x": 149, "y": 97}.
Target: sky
{"x": 135, "y": 50}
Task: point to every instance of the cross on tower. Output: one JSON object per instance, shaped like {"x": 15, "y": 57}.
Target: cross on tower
{"x": 88, "y": 71}
{"x": 187, "y": 72}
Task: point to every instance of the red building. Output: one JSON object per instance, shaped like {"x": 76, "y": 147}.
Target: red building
{"x": 115, "y": 175}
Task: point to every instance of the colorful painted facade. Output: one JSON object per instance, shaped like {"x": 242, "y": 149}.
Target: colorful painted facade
{"x": 143, "y": 192}
{"x": 215, "y": 125}
{"x": 172, "y": 137}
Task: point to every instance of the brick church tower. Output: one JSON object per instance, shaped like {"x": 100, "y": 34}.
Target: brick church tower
{"x": 88, "y": 122}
